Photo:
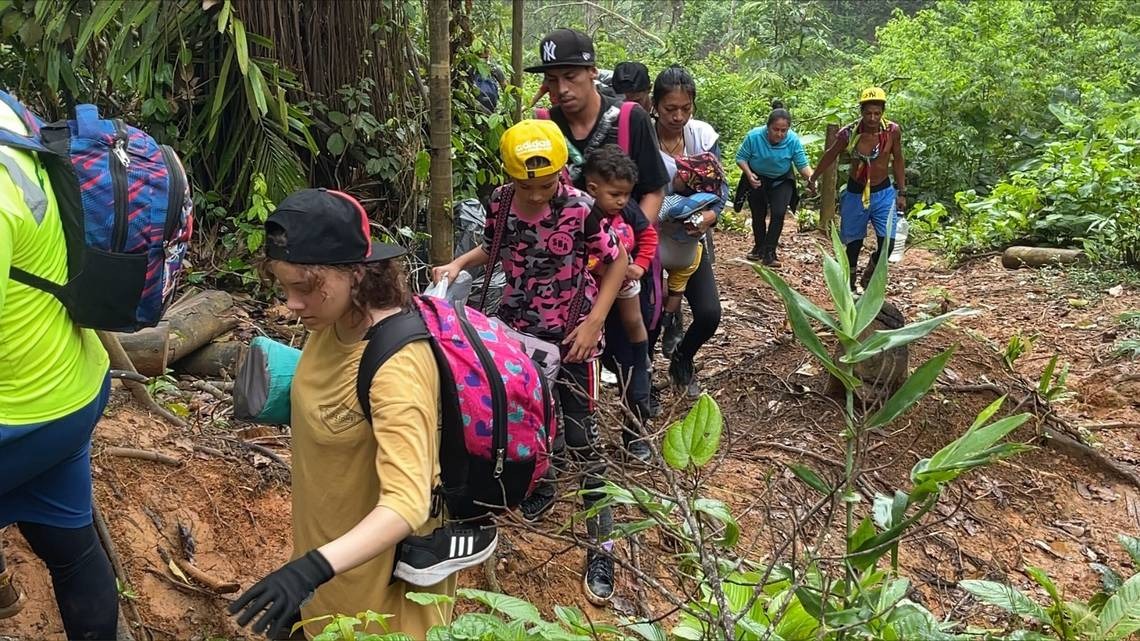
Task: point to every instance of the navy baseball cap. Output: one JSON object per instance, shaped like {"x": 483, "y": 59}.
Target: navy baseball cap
{"x": 323, "y": 227}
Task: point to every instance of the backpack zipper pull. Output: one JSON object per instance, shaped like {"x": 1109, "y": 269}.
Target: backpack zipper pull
{"x": 500, "y": 454}
{"x": 120, "y": 151}
{"x": 122, "y": 139}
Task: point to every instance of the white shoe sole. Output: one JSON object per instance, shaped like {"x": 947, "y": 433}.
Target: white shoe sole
{"x": 425, "y": 577}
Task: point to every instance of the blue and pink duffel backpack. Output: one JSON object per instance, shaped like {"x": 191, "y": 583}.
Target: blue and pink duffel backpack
{"x": 127, "y": 214}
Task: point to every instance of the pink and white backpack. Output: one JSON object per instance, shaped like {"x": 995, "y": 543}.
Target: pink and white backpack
{"x": 499, "y": 417}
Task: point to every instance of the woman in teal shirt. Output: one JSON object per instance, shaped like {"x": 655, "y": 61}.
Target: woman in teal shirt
{"x": 766, "y": 157}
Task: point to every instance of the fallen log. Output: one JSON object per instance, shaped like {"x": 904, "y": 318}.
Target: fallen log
{"x": 193, "y": 323}
{"x": 213, "y": 360}
{"x": 1015, "y": 257}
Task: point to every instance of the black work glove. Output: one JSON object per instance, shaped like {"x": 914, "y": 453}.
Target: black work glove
{"x": 281, "y": 594}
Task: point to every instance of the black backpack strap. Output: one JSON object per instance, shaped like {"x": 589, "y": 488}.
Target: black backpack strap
{"x": 506, "y": 195}
{"x": 385, "y": 339}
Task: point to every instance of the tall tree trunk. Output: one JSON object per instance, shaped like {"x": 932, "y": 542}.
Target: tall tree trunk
{"x": 516, "y": 53}
{"x": 440, "y": 223}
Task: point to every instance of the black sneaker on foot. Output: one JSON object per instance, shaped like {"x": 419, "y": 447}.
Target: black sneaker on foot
{"x": 637, "y": 450}
{"x": 427, "y": 560}
{"x": 654, "y": 406}
{"x": 681, "y": 375}
{"x": 535, "y": 506}
{"x": 598, "y": 580}
{"x": 754, "y": 255}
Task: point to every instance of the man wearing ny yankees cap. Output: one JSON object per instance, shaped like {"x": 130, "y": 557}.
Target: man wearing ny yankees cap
{"x": 588, "y": 119}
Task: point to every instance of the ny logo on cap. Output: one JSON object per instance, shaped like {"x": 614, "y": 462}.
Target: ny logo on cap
{"x": 585, "y": 55}
{"x": 548, "y": 48}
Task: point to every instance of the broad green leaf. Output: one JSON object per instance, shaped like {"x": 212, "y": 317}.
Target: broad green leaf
{"x": 840, "y": 290}
{"x": 1120, "y": 615}
{"x": 883, "y": 340}
{"x": 428, "y": 598}
{"x": 911, "y": 621}
{"x": 864, "y": 547}
{"x": 423, "y": 164}
{"x": 695, "y": 439}
{"x": 793, "y": 297}
{"x": 977, "y": 439}
{"x": 1042, "y": 579}
{"x": 572, "y": 617}
{"x": 625, "y": 530}
{"x": 1082, "y": 618}
{"x": 871, "y": 302}
{"x": 802, "y": 327}
{"x": 893, "y": 592}
{"x": 512, "y": 607}
{"x": 1046, "y": 380}
{"x": 688, "y": 631}
{"x": 1029, "y": 635}
{"x": 864, "y": 532}
{"x": 101, "y": 14}
{"x": 808, "y": 475}
{"x": 719, "y": 511}
{"x": 474, "y": 626}
{"x": 882, "y": 512}
{"x": 1109, "y": 579}
{"x": 1007, "y": 598}
{"x": 756, "y": 630}
{"x": 241, "y": 46}
{"x": 335, "y": 144}
{"x": 1131, "y": 545}
{"x": 224, "y": 16}
{"x": 346, "y": 626}
{"x": 645, "y": 630}
{"x": 260, "y": 89}
{"x": 221, "y": 90}
{"x": 811, "y": 600}
{"x": 794, "y": 624}
{"x": 912, "y": 390}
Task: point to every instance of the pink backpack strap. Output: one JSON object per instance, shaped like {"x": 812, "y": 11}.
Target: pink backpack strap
{"x": 623, "y": 125}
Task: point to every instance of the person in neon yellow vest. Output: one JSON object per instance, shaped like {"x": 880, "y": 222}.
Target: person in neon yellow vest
{"x": 54, "y": 385}
{"x": 876, "y": 149}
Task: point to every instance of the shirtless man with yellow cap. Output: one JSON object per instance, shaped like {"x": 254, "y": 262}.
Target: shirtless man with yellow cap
{"x": 876, "y": 149}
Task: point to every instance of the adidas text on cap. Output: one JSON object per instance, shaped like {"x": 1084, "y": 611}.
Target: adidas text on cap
{"x": 531, "y": 139}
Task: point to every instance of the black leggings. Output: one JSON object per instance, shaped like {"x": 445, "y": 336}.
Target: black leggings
{"x": 704, "y": 303}
{"x": 82, "y": 577}
{"x": 775, "y": 197}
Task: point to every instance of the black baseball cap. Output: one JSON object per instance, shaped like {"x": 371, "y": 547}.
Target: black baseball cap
{"x": 323, "y": 227}
{"x": 630, "y": 77}
{"x": 564, "y": 48}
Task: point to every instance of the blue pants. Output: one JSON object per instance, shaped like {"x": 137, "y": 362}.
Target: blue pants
{"x": 853, "y": 217}
{"x": 46, "y": 467}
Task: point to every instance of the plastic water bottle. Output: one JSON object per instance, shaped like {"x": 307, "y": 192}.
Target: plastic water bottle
{"x": 900, "y": 240}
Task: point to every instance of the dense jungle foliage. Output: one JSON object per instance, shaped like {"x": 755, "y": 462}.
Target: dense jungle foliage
{"x": 1020, "y": 119}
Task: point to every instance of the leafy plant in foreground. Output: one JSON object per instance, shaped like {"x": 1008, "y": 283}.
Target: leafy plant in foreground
{"x": 1111, "y": 614}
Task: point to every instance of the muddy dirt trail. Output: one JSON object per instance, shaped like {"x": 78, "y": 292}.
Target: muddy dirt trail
{"x": 1047, "y": 507}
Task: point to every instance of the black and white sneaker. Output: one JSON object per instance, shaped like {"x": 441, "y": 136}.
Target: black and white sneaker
{"x": 427, "y": 560}
{"x": 598, "y": 579}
